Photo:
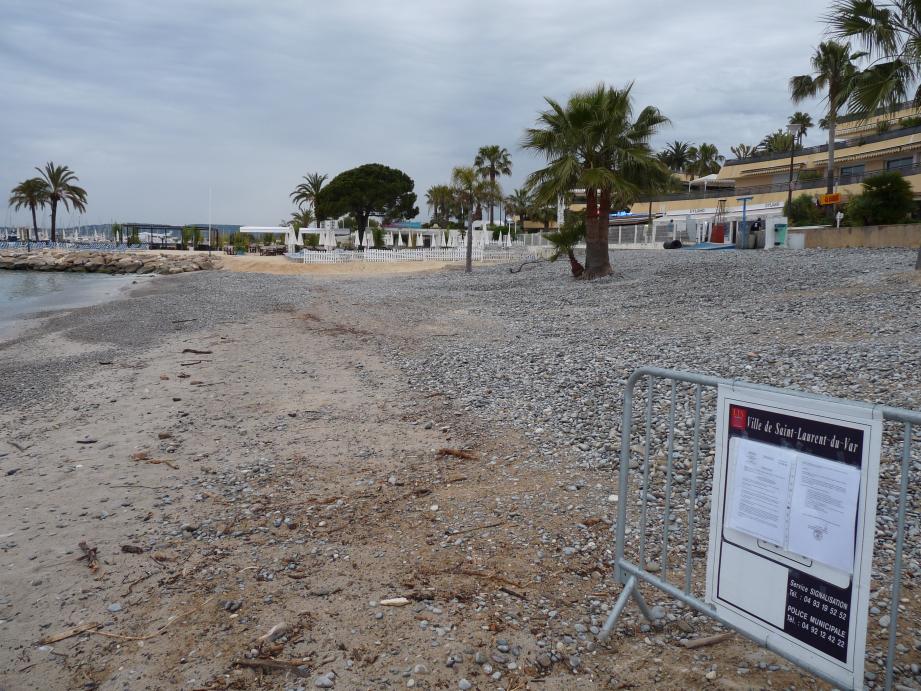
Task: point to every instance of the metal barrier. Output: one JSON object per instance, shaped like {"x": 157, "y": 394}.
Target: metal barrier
{"x": 697, "y": 391}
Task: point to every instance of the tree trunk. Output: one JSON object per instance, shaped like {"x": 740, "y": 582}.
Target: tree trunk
{"x": 469, "y": 265}
{"x": 492, "y": 182}
{"x": 362, "y": 225}
{"x": 34, "y": 223}
{"x": 54, "y": 216}
{"x": 918, "y": 261}
{"x": 597, "y": 259}
{"x": 830, "y": 187}
{"x": 574, "y": 265}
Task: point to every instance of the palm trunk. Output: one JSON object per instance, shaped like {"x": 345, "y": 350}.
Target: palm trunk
{"x": 830, "y": 187}
{"x": 574, "y": 265}
{"x": 54, "y": 216}
{"x": 469, "y": 265}
{"x": 492, "y": 182}
{"x": 597, "y": 259}
{"x": 34, "y": 223}
{"x": 918, "y": 261}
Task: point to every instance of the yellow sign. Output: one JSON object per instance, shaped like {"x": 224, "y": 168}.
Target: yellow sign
{"x": 829, "y": 199}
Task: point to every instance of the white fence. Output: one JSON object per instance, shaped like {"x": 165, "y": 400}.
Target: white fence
{"x": 449, "y": 254}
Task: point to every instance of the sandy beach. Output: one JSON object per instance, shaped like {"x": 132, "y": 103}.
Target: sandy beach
{"x": 256, "y": 462}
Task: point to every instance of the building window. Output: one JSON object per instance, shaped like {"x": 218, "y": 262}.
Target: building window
{"x": 900, "y": 163}
{"x": 851, "y": 172}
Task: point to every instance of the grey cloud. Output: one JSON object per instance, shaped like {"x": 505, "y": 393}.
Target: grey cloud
{"x": 153, "y": 103}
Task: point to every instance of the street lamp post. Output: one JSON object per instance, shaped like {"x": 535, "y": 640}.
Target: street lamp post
{"x": 796, "y": 133}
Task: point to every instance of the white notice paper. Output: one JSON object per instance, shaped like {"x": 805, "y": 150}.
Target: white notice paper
{"x": 823, "y": 509}
{"x": 760, "y": 488}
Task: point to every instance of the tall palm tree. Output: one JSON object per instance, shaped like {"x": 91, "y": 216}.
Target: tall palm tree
{"x": 307, "y": 192}
{"x": 677, "y": 156}
{"x": 491, "y": 162}
{"x": 59, "y": 182}
{"x": 468, "y": 192}
{"x": 519, "y": 201}
{"x": 891, "y": 33}
{"x": 31, "y": 193}
{"x": 835, "y": 75}
{"x": 742, "y": 151}
{"x": 594, "y": 143}
{"x": 705, "y": 160}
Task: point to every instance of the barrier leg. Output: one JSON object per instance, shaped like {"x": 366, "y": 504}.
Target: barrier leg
{"x": 630, "y": 590}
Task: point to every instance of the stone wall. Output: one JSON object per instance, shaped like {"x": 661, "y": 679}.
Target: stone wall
{"x": 905, "y": 235}
{"x": 104, "y": 262}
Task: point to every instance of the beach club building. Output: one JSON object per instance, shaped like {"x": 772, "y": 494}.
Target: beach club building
{"x": 886, "y": 141}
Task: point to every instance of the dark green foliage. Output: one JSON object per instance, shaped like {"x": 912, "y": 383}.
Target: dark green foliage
{"x": 910, "y": 121}
{"x": 803, "y": 212}
{"x": 311, "y": 239}
{"x": 367, "y": 189}
{"x": 377, "y": 233}
{"x": 886, "y": 198}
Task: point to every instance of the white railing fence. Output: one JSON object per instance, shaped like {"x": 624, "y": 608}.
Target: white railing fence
{"x": 490, "y": 253}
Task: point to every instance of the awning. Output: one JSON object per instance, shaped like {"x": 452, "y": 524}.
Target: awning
{"x": 880, "y": 153}
{"x": 772, "y": 169}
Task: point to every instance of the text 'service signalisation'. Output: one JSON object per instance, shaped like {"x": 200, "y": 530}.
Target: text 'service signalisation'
{"x": 792, "y": 525}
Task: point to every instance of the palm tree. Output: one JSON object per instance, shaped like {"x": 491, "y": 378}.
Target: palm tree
{"x": 59, "y": 182}
{"x": 491, "y": 162}
{"x": 677, "y": 156}
{"x": 594, "y": 143}
{"x": 519, "y": 202}
{"x": 302, "y": 218}
{"x": 834, "y": 74}
{"x": 564, "y": 241}
{"x": 804, "y": 120}
{"x": 742, "y": 151}
{"x": 891, "y": 33}
{"x": 468, "y": 192}
{"x": 307, "y": 192}
{"x": 705, "y": 160}
{"x": 543, "y": 213}
{"x": 777, "y": 142}
{"x": 31, "y": 193}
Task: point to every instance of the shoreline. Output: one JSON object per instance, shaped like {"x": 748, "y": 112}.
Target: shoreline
{"x": 74, "y": 290}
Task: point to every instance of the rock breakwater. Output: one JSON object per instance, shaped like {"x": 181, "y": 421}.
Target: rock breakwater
{"x": 104, "y": 262}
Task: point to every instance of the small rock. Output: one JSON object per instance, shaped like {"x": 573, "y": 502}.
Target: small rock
{"x": 114, "y": 607}
{"x": 464, "y": 685}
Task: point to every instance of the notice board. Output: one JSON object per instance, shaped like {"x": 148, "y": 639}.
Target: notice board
{"x": 792, "y": 520}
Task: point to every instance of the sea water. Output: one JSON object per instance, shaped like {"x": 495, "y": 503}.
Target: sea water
{"x": 26, "y": 292}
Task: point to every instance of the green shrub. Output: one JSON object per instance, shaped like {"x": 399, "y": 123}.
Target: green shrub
{"x": 883, "y": 126}
{"x": 311, "y": 239}
{"x": 803, "y": 212}
{"x": 886, "y": 198}
{"x": 809, "y": 176}
{"x": 910, "y": 121}
{"x": 377, "y": 234}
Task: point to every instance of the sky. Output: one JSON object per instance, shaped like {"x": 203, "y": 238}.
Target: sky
{"x": 155, "y": 104}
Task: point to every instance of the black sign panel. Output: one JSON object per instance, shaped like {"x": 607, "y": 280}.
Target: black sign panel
{"x": 822, "y": 439}
{"x": 818, "y": 614}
